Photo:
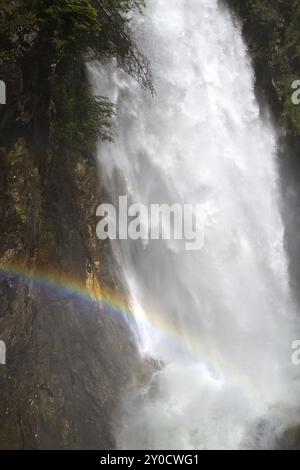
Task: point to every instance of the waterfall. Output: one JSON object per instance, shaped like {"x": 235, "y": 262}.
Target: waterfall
{"x": 219, "y": 321}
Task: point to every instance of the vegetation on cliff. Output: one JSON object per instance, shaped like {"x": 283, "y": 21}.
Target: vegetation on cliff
{"x": 271, "y": 28}
{"x": 68, "y": 362}
{"x": 51, "y": 116}
{"x": 45, "y": 44}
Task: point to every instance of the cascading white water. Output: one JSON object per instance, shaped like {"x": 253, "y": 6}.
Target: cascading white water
{"x": 221, "y": 320}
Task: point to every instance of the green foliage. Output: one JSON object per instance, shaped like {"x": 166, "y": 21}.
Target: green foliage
{"x": 81, "y": 119}
{"x": 21, "y": 214}
{"x": 72, "y": 25}
{"x": 48, "y": 43}
{"x": 81, "y": 29}
{"x": 18, "y": 24}
{"x": 273, "y": 33}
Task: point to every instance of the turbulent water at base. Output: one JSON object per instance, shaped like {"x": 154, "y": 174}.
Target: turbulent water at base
{"x": 220, "y": 321}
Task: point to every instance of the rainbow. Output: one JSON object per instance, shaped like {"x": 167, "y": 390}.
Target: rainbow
{"x": 154, "y": 322}
{"x": 64, "y": 285}
{"x": 111, "y": 301}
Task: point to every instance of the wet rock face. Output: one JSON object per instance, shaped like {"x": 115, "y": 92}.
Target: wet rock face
{"x": 69, "y": 360}
{"x": 7, "y": 289}
{"x": 66, "y": 366}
